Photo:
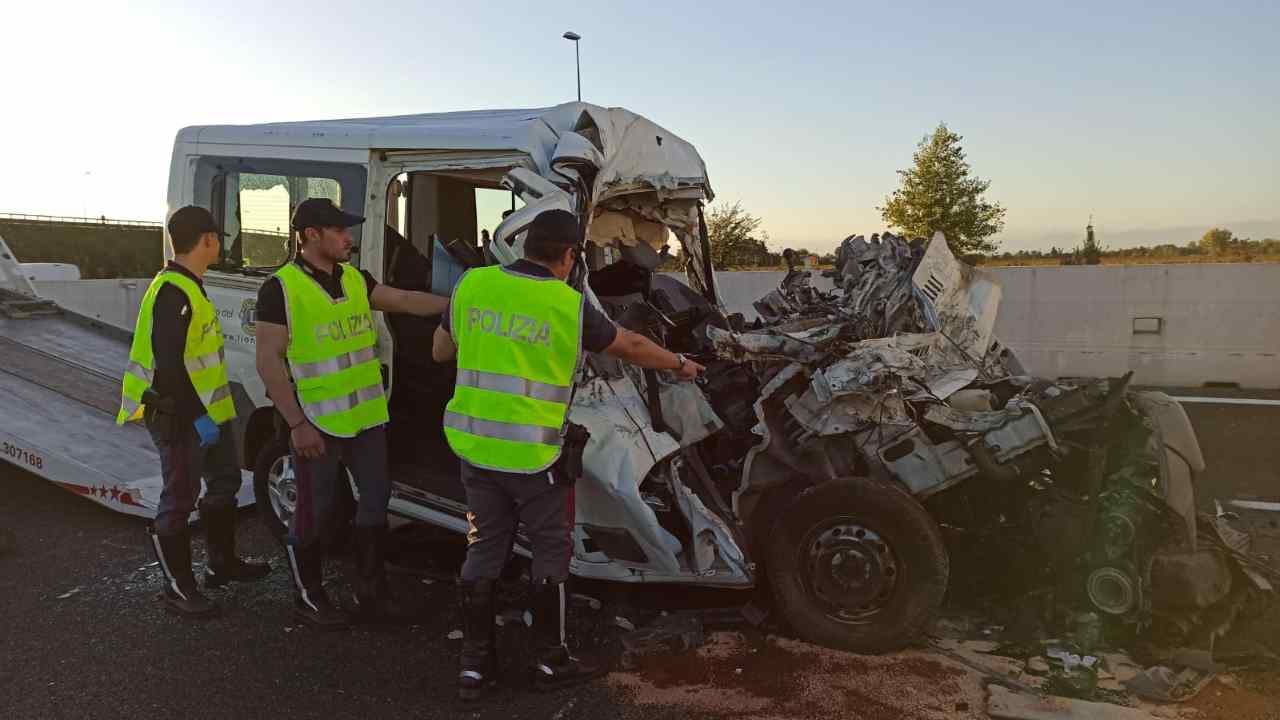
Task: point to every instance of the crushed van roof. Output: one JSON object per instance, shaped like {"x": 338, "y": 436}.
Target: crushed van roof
{"x": 627, "y": 139}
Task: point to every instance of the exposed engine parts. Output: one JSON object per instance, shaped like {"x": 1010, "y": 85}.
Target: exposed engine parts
{"x": 896, "y": 376}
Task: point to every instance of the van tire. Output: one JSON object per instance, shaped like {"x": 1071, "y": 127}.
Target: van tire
{"x": 271, "y": 453}
{"x": 857, "y": 565}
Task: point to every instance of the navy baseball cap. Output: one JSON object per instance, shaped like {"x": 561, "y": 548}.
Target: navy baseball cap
{"x": 187, "y": 224}
{"x": 321, "y": 213}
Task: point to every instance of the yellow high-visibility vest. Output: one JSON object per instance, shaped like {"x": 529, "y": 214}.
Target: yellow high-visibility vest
{"x": 519, "y": 338}
{"x": 203, "y": 355}
{"x": 332, "y": 352}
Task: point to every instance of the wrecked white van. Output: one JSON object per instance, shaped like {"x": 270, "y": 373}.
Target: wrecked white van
{"x": 825, "y": 452}
{"x": 444, "y": 191}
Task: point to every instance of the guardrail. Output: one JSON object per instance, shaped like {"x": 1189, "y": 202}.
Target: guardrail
{"x": 72, "y": 220}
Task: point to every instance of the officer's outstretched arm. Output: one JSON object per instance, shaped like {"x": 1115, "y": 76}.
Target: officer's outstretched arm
{"x": 389, "y": 299}
{"x": 640, "y": 350}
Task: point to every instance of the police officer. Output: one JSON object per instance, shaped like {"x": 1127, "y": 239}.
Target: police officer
{"x": 316, "y": 355}
{"x": 176, "y": 381}
{"x": 518, "y": 332}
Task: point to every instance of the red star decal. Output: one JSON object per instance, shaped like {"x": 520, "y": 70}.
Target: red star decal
{"x": 102, "y": 491}
{"x": 115, "y": 492}
{"x": 93, "y": 491}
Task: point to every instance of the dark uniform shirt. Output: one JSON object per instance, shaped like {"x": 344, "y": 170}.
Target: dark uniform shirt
{"x": 598, "y": 331}
{"x": 170, "y": 319}
{"x": 271, "y": 307}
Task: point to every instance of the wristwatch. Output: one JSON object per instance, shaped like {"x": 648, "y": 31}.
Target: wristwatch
{"x": 680, "y": 357}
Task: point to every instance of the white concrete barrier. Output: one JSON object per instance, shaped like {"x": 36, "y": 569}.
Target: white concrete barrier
{"x": 114, "y": 302}
{"x": 1173, "y": 325}
{"x": 1169, "y": 324}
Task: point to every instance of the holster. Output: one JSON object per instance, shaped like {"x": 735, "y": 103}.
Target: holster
{"x": 568, "y": 468}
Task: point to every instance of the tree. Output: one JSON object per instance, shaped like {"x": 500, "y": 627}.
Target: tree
{"x": 1217, "y": 241}
{"x": 938, "y": 193}
{"x": 1091, "y": 252}
{"x": 732, "y": 233}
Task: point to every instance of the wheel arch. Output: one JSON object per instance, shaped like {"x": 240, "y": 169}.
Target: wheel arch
{"x": 258, "y": 431}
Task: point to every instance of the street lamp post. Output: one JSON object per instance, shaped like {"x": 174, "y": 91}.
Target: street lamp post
{"x": 577, "y": 59}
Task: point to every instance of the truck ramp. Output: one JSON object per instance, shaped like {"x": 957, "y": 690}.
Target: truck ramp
{"x": 59, "y": 393}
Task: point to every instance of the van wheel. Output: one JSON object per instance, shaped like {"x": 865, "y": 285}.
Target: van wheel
{"x": 857, "y": 565}
{"x": 275, "y": 493}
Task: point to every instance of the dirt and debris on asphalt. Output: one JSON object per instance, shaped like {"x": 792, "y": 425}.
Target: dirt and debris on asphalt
{"x": 746, "y": 675}
{"x": 1082, "y": 553}
{"x": 109, "y": 650}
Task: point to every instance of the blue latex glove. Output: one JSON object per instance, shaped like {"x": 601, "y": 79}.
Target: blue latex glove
{"x": 207, "y": 429}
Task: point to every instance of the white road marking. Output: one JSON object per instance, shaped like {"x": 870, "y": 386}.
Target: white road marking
{"x": 1227, "y": 401}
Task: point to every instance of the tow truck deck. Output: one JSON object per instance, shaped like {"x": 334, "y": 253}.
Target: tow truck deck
{"x": 59, "y": 393}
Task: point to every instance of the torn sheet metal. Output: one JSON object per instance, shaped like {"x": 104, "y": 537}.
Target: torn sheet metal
{"x": 686, "y": 412}
{"x": 714, "y": 549}
{"x": 622, "y": 450}
{"x": 859, "y": 390}
{"x": 965, "y": 299}
{"x": 743, "y": 347}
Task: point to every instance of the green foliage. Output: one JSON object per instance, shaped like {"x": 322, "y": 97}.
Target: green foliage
{"x": 254, "y": 181}
{"x": 938, "y": 194}
{"x": 316, "y": 187}
{"x": 1239, "y": 250}
{"x": 99, "y": 250}
{"x": 736, "y": 238}
{"x": 1217, "y": 241}
{"x": 1090, "y": 253}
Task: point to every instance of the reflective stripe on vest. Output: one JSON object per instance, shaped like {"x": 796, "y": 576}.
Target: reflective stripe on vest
{"x": 202, "y": 353}
{"x": 519, "y": 340}
{"x": 332, "y": 352}
{"x": 513, "y": 385}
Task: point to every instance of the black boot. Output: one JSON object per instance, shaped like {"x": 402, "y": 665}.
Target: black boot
{"x": 225, "y": 566}
{"x": 374, "y": 605}
{"x": 555, "y": 668}
{"x": 180, "y": 592}
{"x": 312, "y": 606}
{"x": 479, "y": 664}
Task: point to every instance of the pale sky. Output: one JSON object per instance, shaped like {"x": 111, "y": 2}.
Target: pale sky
{"x": 1146, "y": 118}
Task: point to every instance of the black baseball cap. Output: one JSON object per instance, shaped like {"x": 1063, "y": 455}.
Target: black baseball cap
{"x": 321, "y": 213}
{"x": 187, "y": 224}
{"x": 553, "y": 227}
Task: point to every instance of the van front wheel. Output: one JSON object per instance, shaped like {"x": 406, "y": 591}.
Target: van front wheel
{"x": 857, "y": 565}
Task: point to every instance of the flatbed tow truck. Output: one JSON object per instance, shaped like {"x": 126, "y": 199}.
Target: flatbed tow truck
{"x": 59, "y": 393}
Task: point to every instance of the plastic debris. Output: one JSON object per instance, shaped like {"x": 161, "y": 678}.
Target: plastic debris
{"x": 455, "y": 635}
{"x": 591, "y": 602}
{"x": 1070, "y": 660}
{"x": 625, "y": 624}
{"x": 68, "y": 593}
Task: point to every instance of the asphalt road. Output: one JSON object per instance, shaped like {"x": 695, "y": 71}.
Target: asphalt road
{"x": 82, "y": 635}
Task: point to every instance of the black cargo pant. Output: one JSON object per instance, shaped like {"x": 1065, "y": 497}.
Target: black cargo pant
{"x": 319, "y": 480}
{"x": 497, "y": 502}
{"x": 183, "y": 464}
